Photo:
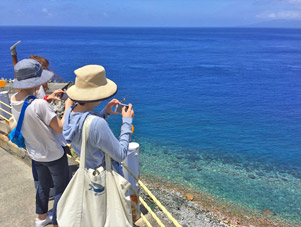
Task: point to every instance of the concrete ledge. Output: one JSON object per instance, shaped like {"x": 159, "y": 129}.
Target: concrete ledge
{"x": 13, "y": 149}
{"x": 4, "y": 127}
{"x": 52, "y": 86}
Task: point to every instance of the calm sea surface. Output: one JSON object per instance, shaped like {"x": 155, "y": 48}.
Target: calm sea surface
{"x": 218, "y": 110}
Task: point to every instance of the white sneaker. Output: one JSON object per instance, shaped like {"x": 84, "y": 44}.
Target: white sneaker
{"x": 42, "y": 223}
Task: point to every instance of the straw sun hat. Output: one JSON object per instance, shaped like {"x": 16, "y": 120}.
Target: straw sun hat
{"x": 91, "y": 85}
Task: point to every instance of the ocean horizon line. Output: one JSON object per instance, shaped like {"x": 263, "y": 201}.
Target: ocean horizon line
{"x": 150, "y": 27}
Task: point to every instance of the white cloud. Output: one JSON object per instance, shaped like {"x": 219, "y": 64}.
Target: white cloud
{"x": 290, "y": 1}
{"x": 45, "y": 10}
{"x": 282, "y": 15}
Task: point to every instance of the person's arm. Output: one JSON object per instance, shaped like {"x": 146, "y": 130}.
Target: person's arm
{"x": 68, "y": 104}
{"x": 102, "y": 136}
{"x": 54, "y": 95}
{"x": 56, "y": 124}
{"x": 107, "y": 111}
{"x": 48, "y": 116}
{"x": 14, "y": 53}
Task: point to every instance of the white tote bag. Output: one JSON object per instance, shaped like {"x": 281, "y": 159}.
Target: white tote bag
{"x": 95, "y": 197}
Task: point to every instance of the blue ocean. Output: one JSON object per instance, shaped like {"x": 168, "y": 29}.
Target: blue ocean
{"x": 217, "y": 110}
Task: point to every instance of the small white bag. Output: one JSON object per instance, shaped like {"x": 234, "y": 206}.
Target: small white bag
{"x": 95, "y": 198}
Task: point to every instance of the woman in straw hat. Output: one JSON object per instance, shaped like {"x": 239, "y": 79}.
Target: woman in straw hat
{"x": 41, "y": 130}
{"x": 91, "y": 87}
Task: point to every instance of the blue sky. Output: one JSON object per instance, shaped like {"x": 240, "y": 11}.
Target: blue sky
{"x": 144, "y": 13}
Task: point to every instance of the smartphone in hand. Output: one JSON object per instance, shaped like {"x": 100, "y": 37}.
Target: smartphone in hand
{"x": 64, "y": 96}
{"x": 118, "y": 108}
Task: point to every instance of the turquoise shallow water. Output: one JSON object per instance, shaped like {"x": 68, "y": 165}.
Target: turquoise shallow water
{"x": 214, "y": 107}
{"x": 256, "y": 189}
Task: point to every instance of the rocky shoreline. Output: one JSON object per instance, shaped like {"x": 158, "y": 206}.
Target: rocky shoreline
{"x": 182, "y": 207}
{"x": 195, "y": 209}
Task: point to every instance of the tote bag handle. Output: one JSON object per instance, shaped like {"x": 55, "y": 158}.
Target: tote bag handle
{"x": 85, "y": 134}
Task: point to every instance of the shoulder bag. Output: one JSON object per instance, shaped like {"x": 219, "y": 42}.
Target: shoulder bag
{"x": 15, "y": 135}
{"x": 95, "y": 197}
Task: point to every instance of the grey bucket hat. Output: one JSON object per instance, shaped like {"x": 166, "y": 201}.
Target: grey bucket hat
{"x": 29, "y": 74}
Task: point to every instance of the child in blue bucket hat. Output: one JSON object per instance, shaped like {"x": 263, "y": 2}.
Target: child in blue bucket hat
{"x": 41, "y": 130}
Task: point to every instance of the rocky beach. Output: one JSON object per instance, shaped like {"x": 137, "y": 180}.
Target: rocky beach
{"x": 186, "y": 211}
{"x": 191, "y": 208}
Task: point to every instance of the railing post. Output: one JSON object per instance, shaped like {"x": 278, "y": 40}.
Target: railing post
{"x": 132, "y": 162}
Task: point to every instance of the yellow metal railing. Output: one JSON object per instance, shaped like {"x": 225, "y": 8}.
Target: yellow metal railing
{"x": 5, "y": 104}
{"x": 5, "y": 111}
{"x": 4, "y": 117}
{"x": 146, "y": 206}
{"x": 156, "y": 201}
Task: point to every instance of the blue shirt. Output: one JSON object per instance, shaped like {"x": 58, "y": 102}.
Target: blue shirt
{"x": 101, "y": 138}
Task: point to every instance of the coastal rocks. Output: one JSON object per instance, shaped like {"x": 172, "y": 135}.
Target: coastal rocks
{"x": 199, "y": 169}
{"x": 189, "y": 196}
{"x": 261, "y": 174}
{"x": 193, "y": 166}
{"x": 268, "y": 212}
{"x": 251, "y": 176}
{"x": 273, "y": 180}
{"x": 175, "y": 165}
{"x": 187, "y": 213}
{"x": 202, "y": 211}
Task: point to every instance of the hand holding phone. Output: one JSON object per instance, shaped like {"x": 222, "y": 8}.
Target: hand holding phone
{"x": 64, "y": 96}
{"x": 118, "y": 107}
{"x": 126, "y": 110}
